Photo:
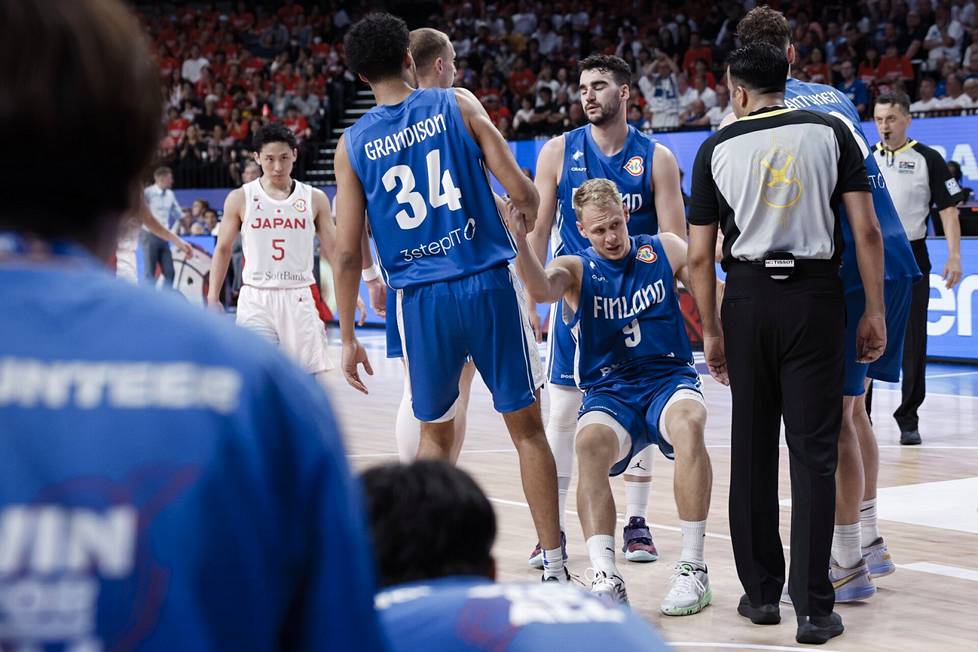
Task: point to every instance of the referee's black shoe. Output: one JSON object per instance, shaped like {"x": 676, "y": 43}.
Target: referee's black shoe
{"x": 819, "y": 629}
{"x": 765, "y": 614}
{"x": 910, "y": 437}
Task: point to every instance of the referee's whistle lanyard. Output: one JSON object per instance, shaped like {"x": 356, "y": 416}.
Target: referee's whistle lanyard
{"x": 16, "y": 248}
{"x": 890, "y": 154}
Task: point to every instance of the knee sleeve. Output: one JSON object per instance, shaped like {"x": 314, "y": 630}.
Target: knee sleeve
{"x": 562, "y": 425}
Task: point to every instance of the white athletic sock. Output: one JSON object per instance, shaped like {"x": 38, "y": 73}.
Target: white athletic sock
{"x": 553, "y": 563}
{"x": 845, "y": 545}
{"x": 636, "y": 499}
{"x": 601, "y": 550}
{"x": 867, "y": 521}
{"x": 563, "y": 488}
{"x": 407, "y": 429}
{"x": 694, "y": 539}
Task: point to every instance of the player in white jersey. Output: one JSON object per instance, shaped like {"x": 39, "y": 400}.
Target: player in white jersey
{"x": 125, "y": 253}
{"x": 278, "y": 218}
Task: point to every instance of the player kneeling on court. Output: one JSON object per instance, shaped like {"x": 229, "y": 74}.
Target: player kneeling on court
{"x": 635, "y": 366}
{"x": 433, "y": 531}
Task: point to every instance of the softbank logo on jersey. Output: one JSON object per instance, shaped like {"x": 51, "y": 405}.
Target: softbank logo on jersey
{"x": 626, "y": 307}
{"x": 442, "y": 245}
{"x": 52, "y": 559}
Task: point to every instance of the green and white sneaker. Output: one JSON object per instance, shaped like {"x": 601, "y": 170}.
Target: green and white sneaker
{"x": 690, "y": 591}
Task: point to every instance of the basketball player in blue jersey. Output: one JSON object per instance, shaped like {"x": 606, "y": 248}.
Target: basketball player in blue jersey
{"x": 635, "y": 365}
{"x": 439, "y": 593}
{"x": 169, "y": 482}
{"x": 859, "y": 552}
{"x": 418, "y": 165}
{"x": 647, "y": 175}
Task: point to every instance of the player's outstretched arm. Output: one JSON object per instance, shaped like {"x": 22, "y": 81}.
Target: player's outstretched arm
{"x": 677, "y": 252}
{"x": 227, "y": 232}
{"x": 547, "y": 178}
{"x": 561, "y": 278}
{"x": 668, "y": 193}
{"x": 351, "y": 206}
{"x": 154, "y": 227}
{"x": 498, "y": 156}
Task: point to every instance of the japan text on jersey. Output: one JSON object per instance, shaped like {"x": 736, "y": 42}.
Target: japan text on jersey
{"x": 630, "y": 170}
{"x": 277, "y": 237}
{"x": 899, "y": 261}
{"x": 430, "y": 206}
{"x": 628, "y": 311}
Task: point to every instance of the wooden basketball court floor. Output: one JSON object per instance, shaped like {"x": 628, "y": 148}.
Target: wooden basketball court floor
{"x": 928, "y": 506}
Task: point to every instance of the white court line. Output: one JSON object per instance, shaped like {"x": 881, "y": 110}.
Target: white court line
{"x": 942, "y": 569}
{"x": 621, "y": 519}
{"x": 740, "y": 646}
{"x": 929, "y": 393}
{"x": 962, "y": 373}
{"x": 464, "y": 452}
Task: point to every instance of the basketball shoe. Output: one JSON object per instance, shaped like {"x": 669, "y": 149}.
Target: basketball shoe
{"x": 610, "y": 588}
{"x": 638, "y": 545}
{"x": 850, "y": 584}
{"x": 878, "y": 559}
{"x": 690, "y": 591}
{"x": 536, "y": 557}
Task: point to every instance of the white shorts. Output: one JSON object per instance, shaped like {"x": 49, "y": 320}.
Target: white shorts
{"x": 288, "y": 317}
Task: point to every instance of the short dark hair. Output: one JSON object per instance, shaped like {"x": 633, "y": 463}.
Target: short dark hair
{"x": 273, "y": 132}
{"x": 896, "y": 98}
{"x": 427, "y": 45}
{"x": 615, "y": 65}
{"x": 760, "y": 67}
{"x": 764, "y": 25}
{"x": 428, "y": 519}
{"x": 375, "y": 46}
{"x": 162, "y": 171}
{"x": 91, "y": 89}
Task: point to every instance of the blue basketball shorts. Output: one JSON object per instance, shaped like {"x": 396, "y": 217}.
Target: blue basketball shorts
{"x": 560, "y": 349}
{"x": 483, "y": 315}
{"x": 637, "y": 403}
{"x": 896, "y": 296}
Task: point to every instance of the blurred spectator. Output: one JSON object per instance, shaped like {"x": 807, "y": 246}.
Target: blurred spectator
{"x": 915, "y": 35}
{"x": 210, "y": 221}
{"x": 684, "y": 92}
{"x": 193, "y": 64}
{"x": 694, "y": 115}
{"x": 868, "y": 71}
{"x": 297, "y": 123}
{"x": 970, "y": 98}
{"x": 954, "y": 96}
{"x": 523, "y": 120}
{"x": 723, "y": 108}
{"x": 521, "y": 79}
{"x": 662, "y": 93}
{"x": 209, "y": 119}
{"x": 926, "y": 101}
{"x": 704, "y": 93}
{"x": 894, "y": 67}
{"x": 817, "y": 69}
{"x": 635, "y": 118}
{"x": 943, "y": 39}
{"x": 697, "y": 51}
{"x": 853, "y": 88}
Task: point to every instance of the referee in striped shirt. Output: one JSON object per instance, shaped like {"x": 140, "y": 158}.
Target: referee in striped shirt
{"x": 773, "y": 181}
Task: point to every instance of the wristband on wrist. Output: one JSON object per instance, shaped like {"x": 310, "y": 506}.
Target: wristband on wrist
{"x": 371, "y": 273}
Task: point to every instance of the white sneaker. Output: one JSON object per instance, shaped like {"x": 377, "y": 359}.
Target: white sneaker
{"x": 610, "y": 588}
{"x": 690, "y": 591}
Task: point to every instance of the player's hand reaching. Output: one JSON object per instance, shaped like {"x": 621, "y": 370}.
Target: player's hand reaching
{"x": 355, "y": 355}
{"x": 870, "y": 338}
{"x": 716, "y": 357}
{"x": 214, "y": 304}
{"x": 952, "y": 271}
{"x": 377, "y": 290}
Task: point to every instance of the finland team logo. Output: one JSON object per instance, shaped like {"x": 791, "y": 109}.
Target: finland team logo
{"x": 646, "y": 254}
{"x": 635, "y": 166}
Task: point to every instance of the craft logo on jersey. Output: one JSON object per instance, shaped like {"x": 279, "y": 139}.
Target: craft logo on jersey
{"x": 299, "y": 205}
{"x": 577, "y": 154}
{"x": 780, "y": 188}
{"x": 635, "y": 166}
{"x": 646, "y": 254}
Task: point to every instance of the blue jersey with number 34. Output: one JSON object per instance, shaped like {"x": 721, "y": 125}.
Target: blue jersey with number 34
{"x": 429, "y": 201}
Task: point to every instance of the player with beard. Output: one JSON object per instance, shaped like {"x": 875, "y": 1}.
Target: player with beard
{"x": 647, "y": 176}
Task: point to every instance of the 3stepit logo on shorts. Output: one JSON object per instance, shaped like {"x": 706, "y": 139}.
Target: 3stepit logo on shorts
{"x": 635, "y": 166}
{"x": 646, "y": 254}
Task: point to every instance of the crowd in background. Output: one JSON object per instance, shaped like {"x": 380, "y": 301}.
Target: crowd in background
{"x": 226, "y": 69}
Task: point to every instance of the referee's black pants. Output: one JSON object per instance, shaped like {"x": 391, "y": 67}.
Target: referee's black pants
{"x": 784, "y": 345}
{"x": 913, "y": 387}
